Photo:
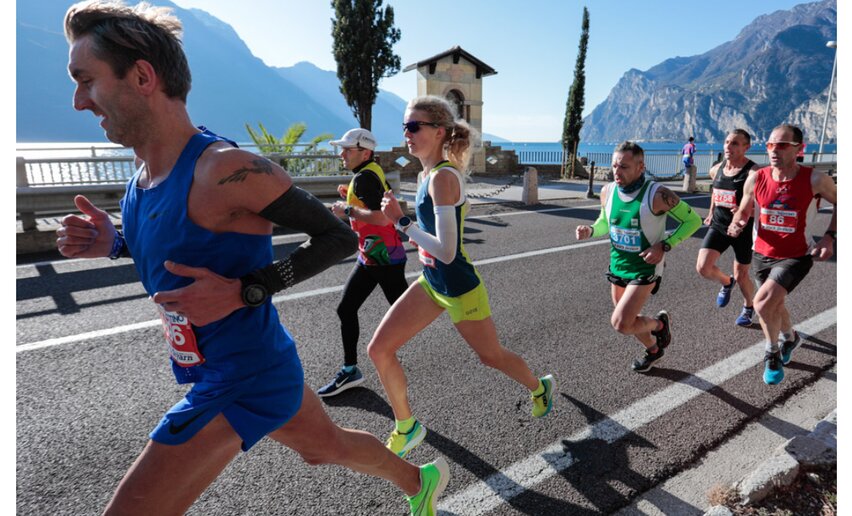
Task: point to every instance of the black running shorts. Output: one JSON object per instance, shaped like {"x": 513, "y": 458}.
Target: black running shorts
{"x": 719, "y": 241}
{"x": 787, "y": 272}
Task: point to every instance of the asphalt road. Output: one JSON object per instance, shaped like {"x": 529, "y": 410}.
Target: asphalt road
{"x": 93, "y": 379}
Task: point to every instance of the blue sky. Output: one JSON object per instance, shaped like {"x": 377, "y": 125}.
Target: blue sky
{"x": 533, "y": 49}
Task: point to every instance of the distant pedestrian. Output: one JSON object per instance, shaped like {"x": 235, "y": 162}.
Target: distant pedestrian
{"x": 381, "y": 255}
{"x": 784, "y": 195}
{"x": 729, "y": 178}
{"x": 688, "y": 155}
{"x": 449, "y": 282}
{"x": 633, "y": 215}
{"x": 197, "y": 219}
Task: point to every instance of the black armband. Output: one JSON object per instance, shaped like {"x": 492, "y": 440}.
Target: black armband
{"x": 329, "y": 240}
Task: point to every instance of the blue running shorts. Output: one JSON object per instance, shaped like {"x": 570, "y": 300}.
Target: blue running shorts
{"x": 254, "y": 406}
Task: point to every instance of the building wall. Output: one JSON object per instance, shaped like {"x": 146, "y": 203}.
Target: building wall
{"x": 461, "y": 77}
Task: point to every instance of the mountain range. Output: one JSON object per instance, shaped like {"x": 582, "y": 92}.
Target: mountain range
{"x": 230, "y": 86}
{"x": 776, "y": 70}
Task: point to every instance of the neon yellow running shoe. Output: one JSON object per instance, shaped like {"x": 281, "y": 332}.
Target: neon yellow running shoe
{"x": 433, "y": 479}
{"x": 543, "y": 403}
{"x": 401, "y": 444}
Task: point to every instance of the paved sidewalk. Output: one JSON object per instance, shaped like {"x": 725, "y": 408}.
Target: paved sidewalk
{"x": 686, "y": 493}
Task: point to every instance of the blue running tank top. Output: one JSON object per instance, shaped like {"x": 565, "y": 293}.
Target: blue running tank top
{"x": 157, "y": 228}
{"x": 459, "y": 276}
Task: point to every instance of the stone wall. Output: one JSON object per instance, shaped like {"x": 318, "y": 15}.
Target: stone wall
{"x": 495, "y": 161}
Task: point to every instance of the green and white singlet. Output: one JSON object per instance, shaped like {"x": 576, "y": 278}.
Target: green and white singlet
{"x": 633, "y": 227}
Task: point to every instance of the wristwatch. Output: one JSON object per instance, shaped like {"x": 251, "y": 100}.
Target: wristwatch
{"x": 347, "y": 210}
{"x": 666, "y": 247}
{"x": 403, "y": 223}
{"x": 254, "y": 294}
{"x": 832, "y": 234}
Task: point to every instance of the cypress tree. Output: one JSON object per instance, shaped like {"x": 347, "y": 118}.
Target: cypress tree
{"x": 576, "y": 96}
{"x": 364, "y": 36}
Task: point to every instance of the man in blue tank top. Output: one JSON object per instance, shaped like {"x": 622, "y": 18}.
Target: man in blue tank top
{"x": 197, "y": 220}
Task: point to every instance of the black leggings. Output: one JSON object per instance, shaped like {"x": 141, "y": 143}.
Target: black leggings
{"x": 361, "y": 283}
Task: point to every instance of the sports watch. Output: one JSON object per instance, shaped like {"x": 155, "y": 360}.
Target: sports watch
{"x": 254, "y": 294}
{"x": 666, "y": 247}
{"x": 403, "y": 223}
{"x": 347, "y": 210}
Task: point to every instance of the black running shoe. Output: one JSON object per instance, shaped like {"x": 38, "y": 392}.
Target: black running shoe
{"x": 663, "y": 336}
{"x": 788, "y": 346}
{"x": 641, "y": 365}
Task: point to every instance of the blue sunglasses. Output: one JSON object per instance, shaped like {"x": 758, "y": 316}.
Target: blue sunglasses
{"x": 415, "y": 125}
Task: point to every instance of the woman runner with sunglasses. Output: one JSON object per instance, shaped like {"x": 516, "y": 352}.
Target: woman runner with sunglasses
{"x": 449, "y": 281}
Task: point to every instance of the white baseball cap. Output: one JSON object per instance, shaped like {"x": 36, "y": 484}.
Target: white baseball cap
{"x": 357, "y": 138}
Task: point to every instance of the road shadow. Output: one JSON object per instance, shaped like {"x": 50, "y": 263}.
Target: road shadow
{"x": 601, "y": 460}
{"x": 61, "y": 286}
{"x": 361, "y": 398}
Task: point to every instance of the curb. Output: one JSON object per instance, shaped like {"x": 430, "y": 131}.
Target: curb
{"x": 818, "y": 448}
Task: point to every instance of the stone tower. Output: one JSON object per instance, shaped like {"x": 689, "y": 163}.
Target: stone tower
{"x": 457, "y": 76}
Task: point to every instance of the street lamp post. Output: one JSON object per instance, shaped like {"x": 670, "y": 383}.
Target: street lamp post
{"x": 830, "y": 44}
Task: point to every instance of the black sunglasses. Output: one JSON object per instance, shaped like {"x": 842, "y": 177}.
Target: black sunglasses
{"x": 415, "y": 125}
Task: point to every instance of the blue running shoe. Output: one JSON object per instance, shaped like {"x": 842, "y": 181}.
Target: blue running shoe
{"x": 746, "y": 316}
{"x": 788, "y": 346}
{"x": 341, "y": 382}
{"x": 773, "y": 371}
{"x": 724, "y": 295}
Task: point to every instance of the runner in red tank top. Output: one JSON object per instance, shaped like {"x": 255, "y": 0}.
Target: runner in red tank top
{"x": 783, "y": 193}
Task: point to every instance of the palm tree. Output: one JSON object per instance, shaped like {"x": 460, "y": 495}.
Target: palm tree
{"x": 268, "y": 144}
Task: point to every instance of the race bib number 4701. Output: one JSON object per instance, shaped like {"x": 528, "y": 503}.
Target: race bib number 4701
{"x": 780, "y": 221}
{"x": 183, "y": 347}
{"x": 626, "y": 239}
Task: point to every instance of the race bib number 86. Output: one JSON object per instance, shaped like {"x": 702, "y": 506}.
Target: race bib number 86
{"x": 780, "y": 221}
{"x": 183, "y": 347}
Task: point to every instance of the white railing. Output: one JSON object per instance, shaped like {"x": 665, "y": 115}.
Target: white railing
{"x": 119, "y": 168}
{"x": 662, "y": 164}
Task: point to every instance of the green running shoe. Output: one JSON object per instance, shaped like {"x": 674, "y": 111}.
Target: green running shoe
{"x": 401, "y": 444}
{"x": 543, "y": 403}
{"x": 433, "y": 479}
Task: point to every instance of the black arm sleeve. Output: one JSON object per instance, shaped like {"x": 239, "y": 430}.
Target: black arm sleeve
{"x": 329, "y": 239}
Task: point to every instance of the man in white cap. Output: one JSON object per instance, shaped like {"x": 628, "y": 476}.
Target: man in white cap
{"x": 381, "y": 256}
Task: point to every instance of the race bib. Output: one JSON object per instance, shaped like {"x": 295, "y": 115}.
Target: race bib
{"x": 725, "y": 198}
{"x": 626, "y": 239}
{"x": 183, "y": 348}
{"x": 780, "y": 221}
{"x": 426, "y": 259}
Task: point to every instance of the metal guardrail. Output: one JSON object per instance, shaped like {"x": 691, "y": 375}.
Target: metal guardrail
{"x": 37, "y": 200}
{"x": 662, "y": 164}
{"x": 118, "y": 169}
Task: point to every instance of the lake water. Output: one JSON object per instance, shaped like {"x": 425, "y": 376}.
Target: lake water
{"x": 82, "y": 149}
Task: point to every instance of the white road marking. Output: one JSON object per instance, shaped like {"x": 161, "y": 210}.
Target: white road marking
{"x": 299, "y": 237}
{"x": 487, "y": 494}
{"x": 81, "y": 337}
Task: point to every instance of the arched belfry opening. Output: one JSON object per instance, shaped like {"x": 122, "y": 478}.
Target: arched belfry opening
{"x": 456, "y": 98}
{"x": 457, "y": 76}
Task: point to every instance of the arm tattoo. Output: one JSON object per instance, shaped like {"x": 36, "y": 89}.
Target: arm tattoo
{"x": 669, "y": 198}
{"x": 261, "y": 166}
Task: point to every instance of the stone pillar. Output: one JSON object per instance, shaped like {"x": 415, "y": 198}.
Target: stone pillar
{"x": 529, "y": 195}
{"x": 689, "y": 179}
